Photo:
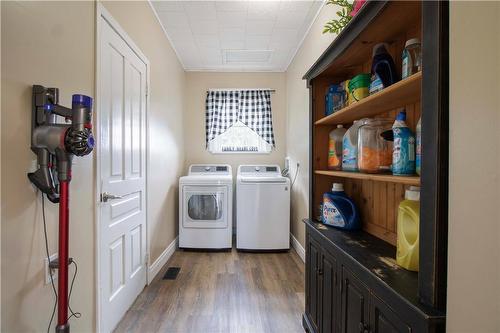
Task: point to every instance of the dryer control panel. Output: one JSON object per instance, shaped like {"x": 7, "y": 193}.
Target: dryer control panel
{"x": 210, "y": 169}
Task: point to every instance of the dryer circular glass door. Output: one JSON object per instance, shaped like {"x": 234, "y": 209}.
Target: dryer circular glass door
{"x": 204, "y": 207}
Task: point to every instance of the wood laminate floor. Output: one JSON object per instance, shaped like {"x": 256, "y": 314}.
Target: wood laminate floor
{"x": 223, "y": 292}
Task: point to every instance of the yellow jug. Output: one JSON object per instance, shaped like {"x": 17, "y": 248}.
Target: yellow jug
{"x": 408, "y": 230}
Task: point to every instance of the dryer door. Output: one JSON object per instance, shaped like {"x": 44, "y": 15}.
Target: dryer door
{"x": 205, "y": 207}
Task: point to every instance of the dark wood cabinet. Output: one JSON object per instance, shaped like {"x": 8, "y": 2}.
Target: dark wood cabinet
{"x": 353, "y": 286}
{"x": 355, "y": 304}
{"x": 330, "y": 293}
{"x": 383, "y": 319}
{"x": 313, "y": 282}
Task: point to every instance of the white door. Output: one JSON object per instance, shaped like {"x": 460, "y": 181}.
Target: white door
{"x": 122, "y": 143}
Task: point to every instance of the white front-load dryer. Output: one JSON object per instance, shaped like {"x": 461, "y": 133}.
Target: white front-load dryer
{"x": 205, "y": 207}
{"x": 262, "y": 208}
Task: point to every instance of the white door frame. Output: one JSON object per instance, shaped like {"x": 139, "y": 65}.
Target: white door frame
{"x": 101, "y": 12}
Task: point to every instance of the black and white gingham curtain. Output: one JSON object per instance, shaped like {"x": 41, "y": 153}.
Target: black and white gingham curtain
{"x": 255, "y": 112}
{"x": 221, "y": 112}
{"x": 251, "y": 107}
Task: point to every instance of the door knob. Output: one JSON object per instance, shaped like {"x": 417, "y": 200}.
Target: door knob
{"x": 108, "y": 196}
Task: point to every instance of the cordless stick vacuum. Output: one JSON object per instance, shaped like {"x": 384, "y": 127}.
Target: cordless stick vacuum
{"x": 55, "y": 144}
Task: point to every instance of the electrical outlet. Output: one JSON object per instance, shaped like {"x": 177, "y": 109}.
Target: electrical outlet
{"x": 50, "y": 271}
{"x": 287, "y": 163}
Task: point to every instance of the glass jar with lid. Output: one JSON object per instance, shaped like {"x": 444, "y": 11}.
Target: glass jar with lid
{"x": 374, "y": 152}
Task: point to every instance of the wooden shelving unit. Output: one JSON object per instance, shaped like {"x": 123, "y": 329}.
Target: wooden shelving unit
{"x": 406, "y": 180}
{"x": 409, "y": 301}
{"x": 399, "y": 94}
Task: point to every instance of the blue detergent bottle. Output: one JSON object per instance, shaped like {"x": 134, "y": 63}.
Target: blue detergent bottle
{"x": 339, "y": 210}
{"x": 403, "y": 155}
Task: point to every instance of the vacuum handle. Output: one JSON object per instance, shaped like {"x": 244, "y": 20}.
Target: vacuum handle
{"x": 105, "y": 197}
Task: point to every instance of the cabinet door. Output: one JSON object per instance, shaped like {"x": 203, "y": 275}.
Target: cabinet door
{"x": 383, "y": 319}
{"x": 330, "y": 294}
{"x": 313, "y": 284}
{"x": 355, "y": 304}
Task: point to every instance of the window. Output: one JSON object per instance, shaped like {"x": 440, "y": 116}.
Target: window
{"x": 239, "y": 121}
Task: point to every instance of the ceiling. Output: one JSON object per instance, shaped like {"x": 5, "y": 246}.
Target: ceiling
{"x": 236, "y": 35}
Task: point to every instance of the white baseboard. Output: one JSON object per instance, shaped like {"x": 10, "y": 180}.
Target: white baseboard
{"x": 298, "y": 248}
{"x": 156, "y": 267}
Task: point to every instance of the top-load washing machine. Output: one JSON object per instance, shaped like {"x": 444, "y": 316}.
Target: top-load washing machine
{"x": 262, "y": 208}
{"x": 206, "y": 207}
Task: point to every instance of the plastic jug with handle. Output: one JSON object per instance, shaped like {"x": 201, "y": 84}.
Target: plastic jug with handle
{"x": 339, "y": 210}
{"x": 408, "y": 230}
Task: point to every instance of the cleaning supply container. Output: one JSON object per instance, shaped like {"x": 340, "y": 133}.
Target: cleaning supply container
{"x": 339, "y": 210}
{"x": 335, "y": 148}
{"x": 411, "y": 58}
{"x": 418, "y": 159}
{"x": 408, "y": 225}
{"x": 383, "y": 72}
{"x": 403, "y": 155}
{"x": 350, "y": 147}
{"x": 374, "y": 152}
{"x": 334, "y": 99}
{"x": 359, "y": 87}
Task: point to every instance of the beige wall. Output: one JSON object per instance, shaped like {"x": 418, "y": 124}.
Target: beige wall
{"x": 474, "y": 232}
{"x": 42, "y": 46}
{"x": 52, "y": 43}
{"x": 197, "y": 84}
{"x": 298, "y": 115}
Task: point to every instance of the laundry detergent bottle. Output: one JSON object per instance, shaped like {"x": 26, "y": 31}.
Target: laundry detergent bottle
{"x": 408, "y": 230}
{"x": 335, "y": 148}
{"x": 339, "y": 210}
{"x": 403, "y": 155}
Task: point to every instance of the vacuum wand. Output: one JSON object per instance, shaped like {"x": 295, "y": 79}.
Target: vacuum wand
{"x": 55, "y": 145}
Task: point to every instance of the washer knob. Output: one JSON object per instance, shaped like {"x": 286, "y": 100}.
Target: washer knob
{"x": 207, "y": 168}
{"x": 257, "y": 168}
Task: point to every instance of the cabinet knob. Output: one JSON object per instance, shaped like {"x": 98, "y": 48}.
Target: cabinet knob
{"x": 364, "y": 328}
{"x": 320, "y": 271}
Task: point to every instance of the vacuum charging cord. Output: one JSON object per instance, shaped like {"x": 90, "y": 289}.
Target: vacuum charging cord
{"x": 72, "y": 261}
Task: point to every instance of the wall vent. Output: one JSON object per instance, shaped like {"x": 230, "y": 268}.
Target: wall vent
{"x": 247, "y": 56}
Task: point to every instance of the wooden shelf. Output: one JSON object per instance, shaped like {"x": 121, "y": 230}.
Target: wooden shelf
{"x": 406, "y": 180}
{"x": 397, "y": 95}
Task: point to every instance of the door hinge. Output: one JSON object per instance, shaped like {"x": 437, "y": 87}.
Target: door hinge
{"x": 146, "y": 258}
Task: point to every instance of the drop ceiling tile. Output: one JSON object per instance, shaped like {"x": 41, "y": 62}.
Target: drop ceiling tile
{"x": 263, "y": 10}
{"x": 232, "y": 44}
{"x": 231, "y": 34}
{"x": 168, "y": 6}
{"x": 260, "y": 27}
{"x": 284, "y": 36}
{"x": 207, "y": 40}
{"x": 297, "y": 6}
{"x": 231, "y": 19}
{"x": 174, "y": 19}
{"x": 179, "y": 34}
{"x": 289, "y": 20}
{"x": 230, "y": 6}
{"x": 211, "y": 56}
{"x": 204, "y": 27}
{"x": 257, "y": 42}
{"x": 200, "y": 10}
